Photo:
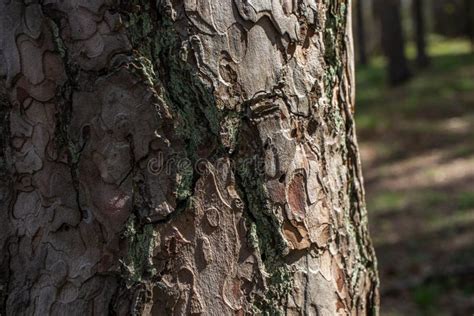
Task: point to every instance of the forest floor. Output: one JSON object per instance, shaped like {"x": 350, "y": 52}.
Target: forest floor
{"x": 417, "y": 146}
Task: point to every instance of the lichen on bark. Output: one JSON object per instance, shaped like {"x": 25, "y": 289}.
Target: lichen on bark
{"x": 138, "y": 263}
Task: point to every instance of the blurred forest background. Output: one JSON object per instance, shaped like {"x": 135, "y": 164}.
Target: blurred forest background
{"x": 415, "y": 116}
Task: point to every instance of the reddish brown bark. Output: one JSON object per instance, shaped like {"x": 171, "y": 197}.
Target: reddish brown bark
{"x": 181, "y": 158}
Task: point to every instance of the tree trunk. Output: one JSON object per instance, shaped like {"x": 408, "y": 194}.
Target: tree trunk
{"x": 422, "y": 59}
{"x": 178, "y": 158}
{"x": 469, "y": 6}
{"x": 361, "y": 40}
{"x": 393, "y": 41}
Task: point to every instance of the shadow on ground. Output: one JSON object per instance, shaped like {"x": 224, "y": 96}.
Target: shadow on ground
{"x": 417, "y": 146}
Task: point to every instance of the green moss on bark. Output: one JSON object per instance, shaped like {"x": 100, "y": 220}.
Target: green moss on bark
{"x": 137, "y": 263}
{"x": 265, "y": 235}
{"x": 200, "y": 122}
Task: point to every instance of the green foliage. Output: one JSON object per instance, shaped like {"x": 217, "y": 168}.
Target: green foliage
{"x": 387, "y": 201}
{"x": 426, "y": 296}
{"x": 431, "y": 90}
{"x": 466, "y": 201}
{"x": 417, "y": 140}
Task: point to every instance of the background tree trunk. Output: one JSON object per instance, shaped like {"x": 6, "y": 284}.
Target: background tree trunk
{"x": 181, "y": 158}
{"x": 422, "y": 59}
{"x": 469, "y": 6}
{"x": 361, "y": 38}
{"x": 393, "y": 41}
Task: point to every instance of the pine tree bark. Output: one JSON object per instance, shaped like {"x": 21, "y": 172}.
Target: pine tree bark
{"x": 181, "y": 157}
{"x": 393, "y": 40}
